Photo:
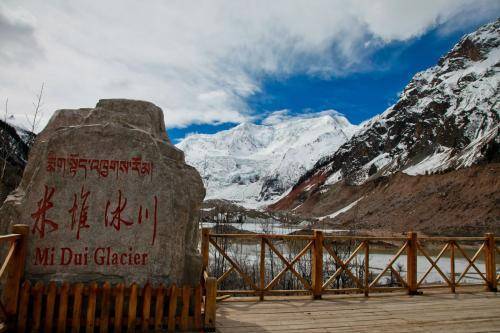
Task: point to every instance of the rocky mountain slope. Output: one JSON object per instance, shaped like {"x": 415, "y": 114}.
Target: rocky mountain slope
{"x": 459, "y": 202}
{"x": 14, "y": 147}
{"x": 446, "y": 119}
{"x": 253, "y": 165}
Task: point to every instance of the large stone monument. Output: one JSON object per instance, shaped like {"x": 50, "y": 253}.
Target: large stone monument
{"x": 108, "y": 197}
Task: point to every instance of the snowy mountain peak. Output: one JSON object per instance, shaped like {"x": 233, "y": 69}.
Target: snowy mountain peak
{"x": 476, "y": 45}
{"x": 255, "y": 164}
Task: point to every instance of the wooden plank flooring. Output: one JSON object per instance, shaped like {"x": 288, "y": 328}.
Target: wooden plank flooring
{"x": 431, "y": 312}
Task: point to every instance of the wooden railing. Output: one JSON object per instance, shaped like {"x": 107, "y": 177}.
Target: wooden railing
{"x": 12, "y": 272}
{"x": 326, "y": 265}
{"x": 323, "y": 265}
{"x": 64, "y": 307}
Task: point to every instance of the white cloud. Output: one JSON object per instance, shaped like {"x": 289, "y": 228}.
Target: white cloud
{"x": 280, "y": 116}
{"x": 197, "y": 60}
{"x": 277, "y": 117}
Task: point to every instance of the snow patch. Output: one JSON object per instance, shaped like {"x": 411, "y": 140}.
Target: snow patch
{"x": 431, "y": 163}
{"x": 340, "y": 211}
{"x": 334, "y": 178}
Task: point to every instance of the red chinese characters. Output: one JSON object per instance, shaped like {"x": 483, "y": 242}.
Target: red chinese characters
{"x": 115, "y": 218}
{"x": 147, "y": 216}
{"x": 119, "y": 214}
{"x": 40, "y": 216}
{"x": 79, "y": 211}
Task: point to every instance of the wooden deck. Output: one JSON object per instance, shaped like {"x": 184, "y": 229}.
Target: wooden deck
{"x": 431, "y": 312}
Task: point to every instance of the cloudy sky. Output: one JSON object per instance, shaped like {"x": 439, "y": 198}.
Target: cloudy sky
{"x": 212, "y": 64}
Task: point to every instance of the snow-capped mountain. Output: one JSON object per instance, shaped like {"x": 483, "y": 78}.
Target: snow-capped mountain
{"x": 446, "y": 118}
{"x": 255, "y": 164}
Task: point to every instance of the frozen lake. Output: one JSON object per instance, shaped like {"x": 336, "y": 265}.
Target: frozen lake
{"x": 266, "y": 227}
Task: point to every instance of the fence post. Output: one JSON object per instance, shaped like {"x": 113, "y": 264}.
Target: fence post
{"x": 15, "y": 270}
{"x": 367, "y": 268}
{"x": 452, "y": 267}
{"x": 262, "y": 268}
{"x": 411, "y": 263}
{"x": 210, "y": 304}
{"x": 205, "y": 242}
{"x": 317, "y": 264}
{"x": 491, "y": 270}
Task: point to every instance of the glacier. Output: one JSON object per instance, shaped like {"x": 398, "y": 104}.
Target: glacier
{"x": 254, "y": 165}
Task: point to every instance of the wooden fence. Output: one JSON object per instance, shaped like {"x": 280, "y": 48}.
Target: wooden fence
{"x": 318, "y": 247}
{"x": 62, "y": 307}
{"x": 92, "y": 307}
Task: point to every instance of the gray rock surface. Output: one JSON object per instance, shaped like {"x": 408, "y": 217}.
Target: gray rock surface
{"x": 108, "y": 197}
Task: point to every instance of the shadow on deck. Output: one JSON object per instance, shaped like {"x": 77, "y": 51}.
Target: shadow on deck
{"x": 431, "y": 312}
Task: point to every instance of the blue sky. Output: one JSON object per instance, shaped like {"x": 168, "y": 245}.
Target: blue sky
{"x": 359, "y": 96}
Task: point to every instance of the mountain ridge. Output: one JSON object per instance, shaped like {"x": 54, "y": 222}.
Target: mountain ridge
{"x": 447, "y": 113}
{"x": 443, "y": 131}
